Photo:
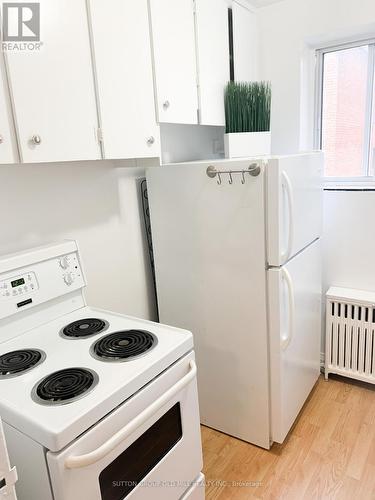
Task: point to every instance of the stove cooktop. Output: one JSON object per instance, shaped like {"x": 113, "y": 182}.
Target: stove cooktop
{"x": 64, "y": 386}
{"x": 16, "y": 363}
{"x": 61, "y": 380}
{"x": 123, "y": 346}
{"x": 85, "y": 327}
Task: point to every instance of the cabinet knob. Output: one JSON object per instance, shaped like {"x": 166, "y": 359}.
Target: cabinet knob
{"x": 151, "y": 140}
{"x": 166, "y": 104}
{"x": 36, "y": 139}
{"x": 1, "y": 139}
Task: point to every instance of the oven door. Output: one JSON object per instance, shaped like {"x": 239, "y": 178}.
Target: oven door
{"x": 148, "y": 448}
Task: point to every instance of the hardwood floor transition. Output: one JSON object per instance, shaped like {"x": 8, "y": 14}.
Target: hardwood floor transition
{"x": 329, "y": 453}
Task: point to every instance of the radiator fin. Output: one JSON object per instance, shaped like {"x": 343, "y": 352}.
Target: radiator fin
{"x": 350, "y": 338}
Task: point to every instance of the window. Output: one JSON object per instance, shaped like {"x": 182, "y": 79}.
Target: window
{"x": 346, "y": 111}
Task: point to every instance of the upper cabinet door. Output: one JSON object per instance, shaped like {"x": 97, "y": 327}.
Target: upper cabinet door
{"x": 175, "y": 60}
{"x": 8, "y": 151}
{"x": 213, "y": 59}
{"x": 53, "y": 88}
{"x": 245, "y": 43}
{"x": 122, "y": 48}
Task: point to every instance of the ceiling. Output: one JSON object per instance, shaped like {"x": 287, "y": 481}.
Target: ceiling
{"x": 263, "y": 3}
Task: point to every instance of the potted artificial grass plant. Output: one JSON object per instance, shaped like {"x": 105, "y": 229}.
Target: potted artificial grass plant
{"x": 247, "y": 119}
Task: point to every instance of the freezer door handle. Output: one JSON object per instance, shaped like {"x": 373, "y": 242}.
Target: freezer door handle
{"x": 287, "y": 185}
{"x": 76, "y": 462}
{"x": 286, "y": 339}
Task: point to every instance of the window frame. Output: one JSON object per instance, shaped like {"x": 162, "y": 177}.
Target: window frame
{"x": 366, "y": 180}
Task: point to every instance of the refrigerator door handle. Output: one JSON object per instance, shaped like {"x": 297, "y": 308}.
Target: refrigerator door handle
{"x": 286, "y": 339}
{"x": 287, "y": 185}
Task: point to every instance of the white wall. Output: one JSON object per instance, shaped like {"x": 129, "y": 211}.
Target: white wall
{"x": 289, "y": 32}
{"x": 190, "y": 142}
{"x": 245, "y": 42}
{"x": 98, "y": 205}
{"x": 349, "y": 245}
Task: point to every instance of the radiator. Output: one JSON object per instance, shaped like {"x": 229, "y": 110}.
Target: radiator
{"x": 350, "y": 334}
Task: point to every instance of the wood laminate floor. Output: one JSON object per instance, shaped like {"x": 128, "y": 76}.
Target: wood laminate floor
{"x": 329, "y": 453}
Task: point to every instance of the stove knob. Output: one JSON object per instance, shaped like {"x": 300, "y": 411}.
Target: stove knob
{"x": 68, "y": 279}
{"x": 64, "y": 263}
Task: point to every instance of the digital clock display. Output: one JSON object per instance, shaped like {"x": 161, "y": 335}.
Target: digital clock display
{"x": 18, "y": 282}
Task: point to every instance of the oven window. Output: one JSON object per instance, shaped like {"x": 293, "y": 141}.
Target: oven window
{"x": 129, "y": 468}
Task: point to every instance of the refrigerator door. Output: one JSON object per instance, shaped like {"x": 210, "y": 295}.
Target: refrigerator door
{"x": 295, "y": 330}
{"x": 209, "y": 248}
{"x": 294, "y": 205}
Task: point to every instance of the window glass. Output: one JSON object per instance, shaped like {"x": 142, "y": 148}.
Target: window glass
{"x": 345, "y": 82}
{"x": 372, "y": 131}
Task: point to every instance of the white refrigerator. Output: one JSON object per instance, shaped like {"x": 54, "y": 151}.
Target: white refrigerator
{"x": 238, "y": 262}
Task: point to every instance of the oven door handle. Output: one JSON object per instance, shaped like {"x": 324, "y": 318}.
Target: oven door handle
{"x": 79, "y": 461}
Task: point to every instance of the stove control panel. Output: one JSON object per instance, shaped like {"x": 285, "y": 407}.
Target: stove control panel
{"x": 67, "y": 268}
{"x": 32, "y": 278}
{"x": 70, "y": 269}
{"x": 21, "y": 284}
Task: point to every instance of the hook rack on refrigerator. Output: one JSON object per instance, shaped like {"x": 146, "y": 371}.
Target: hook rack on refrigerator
{"x": 253, "y": 170}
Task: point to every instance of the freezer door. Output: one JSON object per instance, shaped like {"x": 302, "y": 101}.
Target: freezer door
{"x": 294, "y": 204}
{"x": 209, "y": 247}
{"x": 295, "y": 329}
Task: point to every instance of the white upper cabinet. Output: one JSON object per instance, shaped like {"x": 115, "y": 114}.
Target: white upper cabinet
{"x": 53, "y": 88}
{"x": 123, "y": 61}
{"x": 175, "y": 65}
{"x": 245, "y": 43}
{"x": 213, "y": 59}
{"x": 8, "y": 151}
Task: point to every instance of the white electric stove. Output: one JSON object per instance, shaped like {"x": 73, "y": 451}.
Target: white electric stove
{"x": 95, "y": 405}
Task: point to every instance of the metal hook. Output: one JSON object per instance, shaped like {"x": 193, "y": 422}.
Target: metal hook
{"x": 243, "y": 177}
{"x": 230, "y": 177}
{"x": 218, "y": 178}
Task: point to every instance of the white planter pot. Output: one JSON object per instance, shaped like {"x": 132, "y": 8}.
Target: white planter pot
{"x": 244, "y": 144}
